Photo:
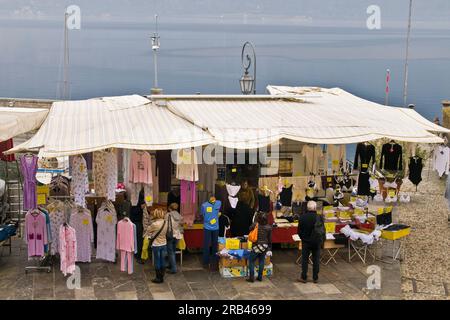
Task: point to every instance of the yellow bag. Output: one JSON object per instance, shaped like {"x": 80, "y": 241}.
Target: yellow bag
{"x": 253, "y": 235}
{"x": 181, "y": 244}
{"x": 144, "y": 254}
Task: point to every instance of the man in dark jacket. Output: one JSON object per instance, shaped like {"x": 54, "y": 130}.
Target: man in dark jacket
{"x": 306, "y": 225}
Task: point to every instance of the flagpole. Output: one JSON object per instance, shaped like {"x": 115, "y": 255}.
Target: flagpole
{"x": 405, "y": 85}
{"x": 388, "y": 77}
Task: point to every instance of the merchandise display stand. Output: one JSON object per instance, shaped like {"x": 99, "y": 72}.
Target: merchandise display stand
{"x": 396, "y": 251}
{"x": 361, "y": 250}
{"x": 39, "y": 265}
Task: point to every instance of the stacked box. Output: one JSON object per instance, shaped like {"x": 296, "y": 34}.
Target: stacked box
{"x": 229, "y": 263}
{"x": 233, "y": 272}
{"x": 267, "y": 272}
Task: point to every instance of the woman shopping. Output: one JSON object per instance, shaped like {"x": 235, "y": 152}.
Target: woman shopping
{"x": 157, "y": 233}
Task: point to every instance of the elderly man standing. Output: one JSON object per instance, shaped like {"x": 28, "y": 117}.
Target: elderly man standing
{"x": 311, "y": 230}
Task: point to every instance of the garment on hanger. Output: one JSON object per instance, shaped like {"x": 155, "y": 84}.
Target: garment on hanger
{"x": 337, "y": 156}
{"x": 415, "y": 170}
{"x": 80, "y": 181}
{"x": 233, "y": 190}
{"x": 81, "y": 221}
{"x": 246, "y": 195}
{"x": 391, "y": 157}
{"x": 364, "y": 156}
{"x": 28, "y": 167}
{"x": 58, "y": 217}
{"x": 164, "y": 169}
{"x": 188, "y": 201}
{"x": 67, "y": 247}
{"x": 313, "y": 155}
{"x": 233, "y": 201}
{"x": 126, "y": 243}
{"x": 140, "y": 167}
{"x": 36, "y": 233}
{"x": 363, "y": 183}
{"x": 106, "y": 220}
{"x": 105, "y": 173}
{"x": 286, "y": 196}
{"x": 207, "y": 179}
{"x": 187, "y": 165}
{"x": 441, "y": 159}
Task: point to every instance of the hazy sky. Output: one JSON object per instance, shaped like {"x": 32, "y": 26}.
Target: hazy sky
{"x": 427, "y": 13}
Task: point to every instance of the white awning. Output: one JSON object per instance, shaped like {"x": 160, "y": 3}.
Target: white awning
{"x": 324, "y": 116}
{"x": 130, "y": 122}
{"x": 15, "y": 121}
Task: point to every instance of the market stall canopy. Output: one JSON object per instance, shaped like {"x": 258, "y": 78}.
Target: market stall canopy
{"x": 15, "y": 121}
{"x": 312, "y": 115}
{"x": 129, "y": 122}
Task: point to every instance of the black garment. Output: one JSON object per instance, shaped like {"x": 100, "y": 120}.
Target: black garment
{"x": 263, "y": 203}
{"x": 136, "y": 216}
{"x": 264, "y": 234}
{"x": 415, "y": 170}
{"x": 364, "y": 184}
{"x": 221, "y": 194}
{"x": 328, "y": 182}
{"x": 164, "y": 169}
{"x": 307, "y": 249}
{"x": 365, "y": 154}
{"x": 391, "y": 153}
{"x": 224, "y": 221}
{"x": 286, "y": 196}
{"x": 298, "y": 208}
{"x": 306, "y": 224}
{"x": 241, "y": 219}
{"x": 173, "y": 198}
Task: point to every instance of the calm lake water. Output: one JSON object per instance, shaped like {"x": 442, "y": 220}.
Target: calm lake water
{"x": 115, "y": 58}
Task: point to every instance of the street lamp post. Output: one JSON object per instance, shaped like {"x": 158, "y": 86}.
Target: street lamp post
{"x": 247, "y": 82}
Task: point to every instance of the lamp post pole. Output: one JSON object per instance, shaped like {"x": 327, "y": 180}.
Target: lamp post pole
{"x": 248, "y": 85}
{"x": 405, "y": 84}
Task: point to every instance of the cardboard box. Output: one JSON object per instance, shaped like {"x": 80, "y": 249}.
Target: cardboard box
{"x": 394, "y": 235}
{"x": 234, "y": 272}
{"x": 267, "y": 261}
{"x": 267, "y": 272}
{"x": 220, "y": 247}
{"x": 229, "y": 263}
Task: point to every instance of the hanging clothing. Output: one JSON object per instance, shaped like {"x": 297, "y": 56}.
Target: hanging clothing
{"x": 232, "y": 192}
{"x": 164, "y": 169}
{"x": 80, "y": 181}
{"x": 207, "y": 176}
{"x": 28, "y": 167}
{"x": 415, "y": 170}
{"x": 187, "y": 165}
{"x": 140, "y": 167}
{"x": 391, "y": 157}
{"x": 263, "y": 202}
{"x": 106, "y": 234}
{"x": 188, "y": 201}
{"x": 81, "y": 221}
{"x": 67, "y": 249}
{"x": 57, "y": 219}
{"x": 286, "y": 196}
{"x": 337, "y": 156}
{"x": 135, "y": 189}
{"x": 447, "y": 191}
{"x": 126, "y": 243}
{"x": 36, "y": 233}
{"x": 241, "y": 219}
{"x": 105, "y": 173}
{"x": 155, "y": 184}
{"x": 441, "y": 160}
{"x": 364, "y": 156}
{"x": 364, "y": 183}
{"x": 4, "y": 146}
{"x": 313, "y": 155}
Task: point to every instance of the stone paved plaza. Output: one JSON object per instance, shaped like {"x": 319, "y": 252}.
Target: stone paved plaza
{"x": 102, "y": 280}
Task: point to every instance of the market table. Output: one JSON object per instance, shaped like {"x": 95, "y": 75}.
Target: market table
{"x": 193, "y": 235}
{"x": 329, "y": 246}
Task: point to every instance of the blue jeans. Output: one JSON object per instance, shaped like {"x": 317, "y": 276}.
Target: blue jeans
{"x": 251, "y": 263}
{"x": 210, "y": 239}
{"x": 159, "y": 254}
{"x": 171, "y": 248}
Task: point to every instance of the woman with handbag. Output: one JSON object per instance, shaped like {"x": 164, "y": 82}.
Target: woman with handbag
{"x": 174, "y": 234}
{"x": 261, "y": 238}
{"x": 157, "y": 233}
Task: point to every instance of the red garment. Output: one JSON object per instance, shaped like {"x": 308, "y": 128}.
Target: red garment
{"x": 6, "y": 145}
